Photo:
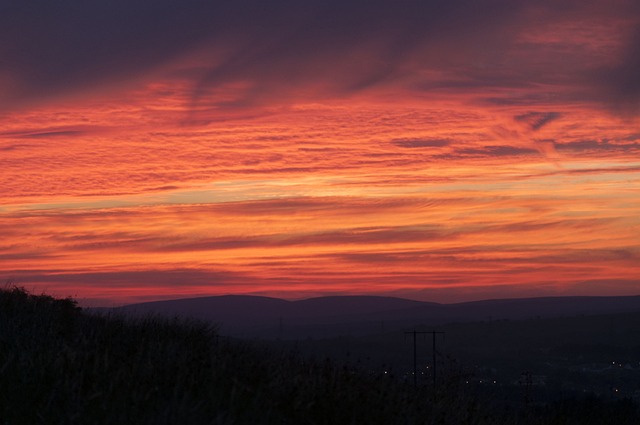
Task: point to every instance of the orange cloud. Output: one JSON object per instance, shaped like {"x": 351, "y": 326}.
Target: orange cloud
{"x": 454, "y": 161}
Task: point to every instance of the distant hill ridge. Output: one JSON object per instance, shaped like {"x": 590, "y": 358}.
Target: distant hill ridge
{"x": 257, "y": 316}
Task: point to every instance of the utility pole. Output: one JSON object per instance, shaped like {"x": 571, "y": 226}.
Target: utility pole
{"x": 415, "y": 361}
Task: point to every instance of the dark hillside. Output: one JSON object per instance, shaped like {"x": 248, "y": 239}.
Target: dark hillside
{"x": 263, "y": 317}
{"x": 60, "y": 365}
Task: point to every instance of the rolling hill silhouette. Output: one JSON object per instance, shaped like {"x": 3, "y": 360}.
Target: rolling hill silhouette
{"x": 255, "y": 316}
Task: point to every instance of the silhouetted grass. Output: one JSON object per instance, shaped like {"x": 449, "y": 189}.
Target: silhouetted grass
{"x": 59, "y": 365}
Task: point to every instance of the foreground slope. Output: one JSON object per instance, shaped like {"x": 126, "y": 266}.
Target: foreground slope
{"x": 59, "y": 365}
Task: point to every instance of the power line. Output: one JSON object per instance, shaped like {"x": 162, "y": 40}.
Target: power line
{"x": 415, "y": 354}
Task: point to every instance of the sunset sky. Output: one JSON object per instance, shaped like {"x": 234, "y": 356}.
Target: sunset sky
{"x": 438, "y": 150}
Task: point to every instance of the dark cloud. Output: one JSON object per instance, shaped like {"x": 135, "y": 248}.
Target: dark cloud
{"x": 14, "y": 147}
{"x": 620, "y": 83}
{"x": 345, "y": 47}
{"x": 31, "y": 255}
{"x": 589, "y": 256}
{"x": 631, "y": 137}
{"x": 597, "y": 145}
{"x": 607, "y": 286}
{"x": 488, "y": 151}
{"x": 498, "y": 151}
{"x": 541, "y": 225}
{"x": 40, "y": 134}
{"x": 60, "y": 47}
{"x": 331, "y": 47}
{"x": 421, "y": 143}
{"x": 378, "y": 235}
{"x": 598, "y": 170}
{"x": 502, "y": 258}
{"x": 68, "y": 45}
{"x": 175, "y": 278}
{"x": 537, "y": 120}
{"x": 522, "y": 98}
{"x": 357, "y": 236}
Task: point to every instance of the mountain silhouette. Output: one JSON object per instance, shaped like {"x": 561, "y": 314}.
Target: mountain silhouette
{"x": 256, "y": 316}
